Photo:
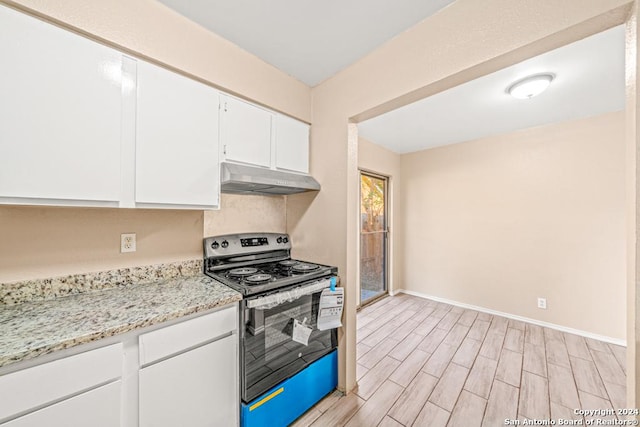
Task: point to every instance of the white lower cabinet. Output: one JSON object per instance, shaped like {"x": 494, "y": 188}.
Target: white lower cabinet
{"x": 181, "y": 374}
{"x": 196, "y": 388}
{"x": 96, "y": 408}
{"x": 59, "y": 390}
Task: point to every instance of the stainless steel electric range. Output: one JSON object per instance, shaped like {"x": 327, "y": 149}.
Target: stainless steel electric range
{"x": 279, "y": 295}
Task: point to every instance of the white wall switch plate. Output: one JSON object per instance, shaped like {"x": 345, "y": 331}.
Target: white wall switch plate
{"x": 127, "y": 242}
{"x": 542, "y": 303}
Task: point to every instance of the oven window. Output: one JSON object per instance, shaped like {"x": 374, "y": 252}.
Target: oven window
{"x": 270, "y": 355}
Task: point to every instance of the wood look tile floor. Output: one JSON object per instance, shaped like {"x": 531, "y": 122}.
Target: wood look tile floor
{"x": 426, "y": 363}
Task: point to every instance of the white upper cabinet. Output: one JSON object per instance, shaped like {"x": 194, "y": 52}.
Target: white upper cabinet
{"x": 245, "y": 132}
{"x": 176, "y": 139}
{"x": 83, "y": 125}
{"x": 292, "y": 144}
{"x": 252, "y": 135}
{"x": 60, "y": 115}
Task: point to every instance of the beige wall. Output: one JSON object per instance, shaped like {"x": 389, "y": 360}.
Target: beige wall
{"x": 500, "y": 221}
{"x": 239, "y": 214}
{"x": 461, "y": 42}
{"x": 45, "y": 242}
{"x": 39, "y": 242}
{"x": 374, "y": 158}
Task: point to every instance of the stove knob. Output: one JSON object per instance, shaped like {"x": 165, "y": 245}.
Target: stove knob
{"x": 279, "y": 240}
{"x": 215, "y": 245}
{"x": 225, "y": 244}
{"x": 285, "y": 240}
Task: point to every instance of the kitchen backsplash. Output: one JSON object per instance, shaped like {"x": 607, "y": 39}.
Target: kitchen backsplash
{"x": 246, "y": 214}
{"x": 46, "y": 289}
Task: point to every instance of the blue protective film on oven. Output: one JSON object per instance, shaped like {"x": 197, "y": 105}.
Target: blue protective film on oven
{"x": 285, "y": 402}
{"x": 332, "y": 284}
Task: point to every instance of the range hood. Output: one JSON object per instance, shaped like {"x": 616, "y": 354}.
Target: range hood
{"x": 244, "y": 179}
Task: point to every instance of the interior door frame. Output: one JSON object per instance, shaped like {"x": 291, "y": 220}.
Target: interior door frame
{"x": 387, "y": 231}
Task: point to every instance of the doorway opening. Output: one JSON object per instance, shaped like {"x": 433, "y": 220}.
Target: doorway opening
{"x": 374, "y": 233}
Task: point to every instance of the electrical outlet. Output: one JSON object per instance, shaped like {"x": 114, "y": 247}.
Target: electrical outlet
{"x": 128, "y": 242}
{"x": 542, "y": 303}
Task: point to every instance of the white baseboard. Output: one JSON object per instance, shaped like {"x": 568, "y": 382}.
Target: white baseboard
{"x": 515, "y": 317}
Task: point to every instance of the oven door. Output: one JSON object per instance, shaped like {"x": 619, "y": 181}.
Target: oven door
{"x": 268, "y": 352}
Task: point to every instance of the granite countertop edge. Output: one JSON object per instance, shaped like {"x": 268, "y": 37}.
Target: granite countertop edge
{"x": 42, "y": 327}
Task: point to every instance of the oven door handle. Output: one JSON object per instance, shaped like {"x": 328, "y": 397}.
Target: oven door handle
{"x": 275, "y": 299}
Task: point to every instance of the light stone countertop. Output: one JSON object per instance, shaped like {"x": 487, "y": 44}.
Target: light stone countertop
{"x": 36, "y": 328}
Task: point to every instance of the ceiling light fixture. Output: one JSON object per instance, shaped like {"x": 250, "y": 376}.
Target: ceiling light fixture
{"x": 530, "y": 86}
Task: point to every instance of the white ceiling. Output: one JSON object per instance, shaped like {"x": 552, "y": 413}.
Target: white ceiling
{"x": 589, "y": 81}
{"x": 310, "y": 40}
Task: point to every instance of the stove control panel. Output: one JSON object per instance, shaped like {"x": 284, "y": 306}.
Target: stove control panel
{"x": 217, "y": 247}
{"x": 255, "y": 241}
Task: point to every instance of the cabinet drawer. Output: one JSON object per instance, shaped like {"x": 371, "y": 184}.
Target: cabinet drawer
{"x": 33, "y": 387}
{"x": 174, "y": 339}
{"x": 95, "y": 408}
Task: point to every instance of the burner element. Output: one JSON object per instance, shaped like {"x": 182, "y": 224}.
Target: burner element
{"x": 288, "y": 263}
{"x": 241, "y": 272}
{"x": 303, "y": 267}
{"x": 258, "y": 278}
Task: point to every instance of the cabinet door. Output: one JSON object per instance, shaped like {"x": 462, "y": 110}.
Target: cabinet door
{"x": 292, "y": 144}
{"x": 245, "y": 132}
{"x": 176, "y": 139}
{"x": 197, "y": 388}
{"x": 60, "y": 114}
{"x": 95, "y": 408}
